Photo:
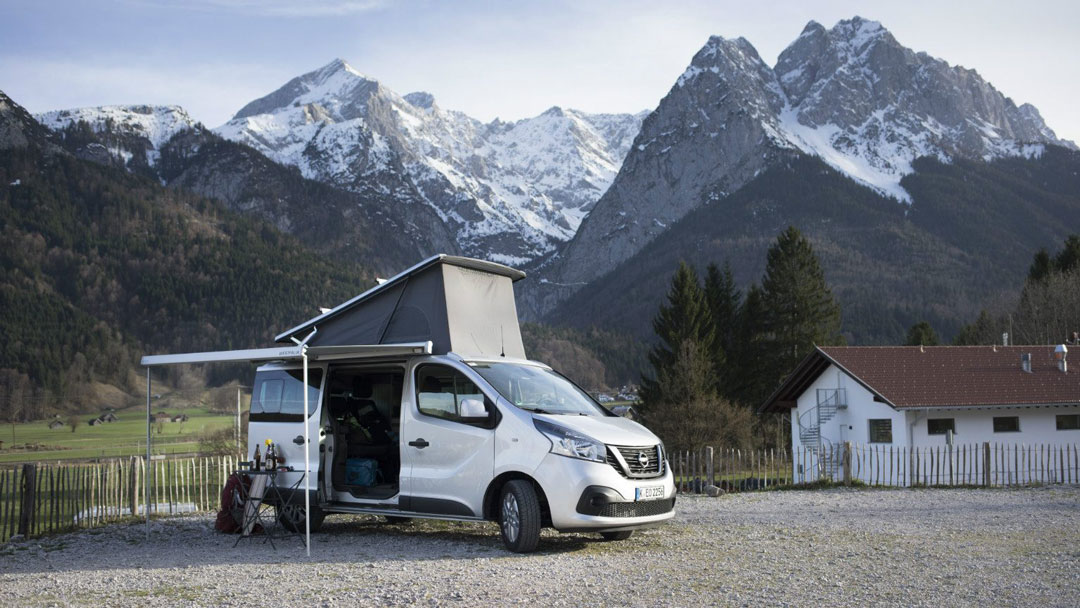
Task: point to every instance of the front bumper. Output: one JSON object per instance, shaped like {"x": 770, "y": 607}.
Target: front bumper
{"x": 593, "y": 496}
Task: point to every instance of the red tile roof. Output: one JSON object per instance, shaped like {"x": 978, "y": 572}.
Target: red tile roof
{"x": 942, "y": 376}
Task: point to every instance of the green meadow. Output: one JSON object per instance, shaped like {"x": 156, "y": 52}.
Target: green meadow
{"x": 36, "y": 442}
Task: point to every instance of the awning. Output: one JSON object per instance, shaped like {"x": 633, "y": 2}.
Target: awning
{"x": 301, "y": 352}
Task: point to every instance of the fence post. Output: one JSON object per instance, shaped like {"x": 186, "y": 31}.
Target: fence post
{"x": 846, "y": 462}
{"x": 710, "y": 474}
{"x": 26, "y": 508}
{"x": 986, "y": 463}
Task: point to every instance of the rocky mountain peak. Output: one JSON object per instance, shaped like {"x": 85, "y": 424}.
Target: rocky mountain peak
{"x": 421, "y": 99}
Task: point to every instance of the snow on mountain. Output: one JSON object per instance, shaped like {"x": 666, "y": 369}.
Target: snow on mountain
{"x": 150, "y": 126}
{"x": 868, "y": 106}
{"x": 511, "y": 191}
{"x": 851, "y": 95}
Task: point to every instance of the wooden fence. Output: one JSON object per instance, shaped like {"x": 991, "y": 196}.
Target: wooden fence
{"x": 37, "y": 499}
{"x": 985, "y": 464}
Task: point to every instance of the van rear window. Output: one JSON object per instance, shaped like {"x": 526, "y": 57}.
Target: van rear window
{"x": 278, "y": 396}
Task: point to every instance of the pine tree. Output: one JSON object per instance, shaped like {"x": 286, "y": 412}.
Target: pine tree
{"x": 798, "y": 310}
{"x": 685, "y": 317}
{"x": 747, "y": 360}
{"x": 723, "y": 299}
{"x": 922, "y": 334}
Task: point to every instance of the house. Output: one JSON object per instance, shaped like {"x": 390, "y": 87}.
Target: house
{"x": 604, "y": 398}
{"x": 108, "y": 417}
{"x": 180, "y": 418}
{"x": 626, "y": 412}
{"x": 927, "y": 397}
{"x": 56, "y": 424}
{"x": 162, "y": 417}
{"x": 94, "y": 421}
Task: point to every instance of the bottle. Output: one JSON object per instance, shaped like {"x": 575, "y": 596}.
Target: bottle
{"x": 257, "y": 460}
{"x": 271, "y": 457}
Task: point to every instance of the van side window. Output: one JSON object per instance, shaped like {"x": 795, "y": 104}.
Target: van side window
{"x": 440, "y": 391}
{"x": 278, "y": 395}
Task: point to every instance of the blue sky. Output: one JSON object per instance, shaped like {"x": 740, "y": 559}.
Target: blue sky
{"x": 509, "y": 59}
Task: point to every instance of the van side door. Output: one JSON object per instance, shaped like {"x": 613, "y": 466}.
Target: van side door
{"x": 449, "y": 458}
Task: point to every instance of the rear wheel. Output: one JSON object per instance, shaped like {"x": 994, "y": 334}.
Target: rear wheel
{"x": 519, "y": 516}
{"x": 291, "y": 517}
{"x": 625, "y": 534}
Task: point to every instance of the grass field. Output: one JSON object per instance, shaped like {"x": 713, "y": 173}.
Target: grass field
{"x": 125, "y": 437}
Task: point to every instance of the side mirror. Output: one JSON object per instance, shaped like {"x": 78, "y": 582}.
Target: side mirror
{"x": 472, "y": 408}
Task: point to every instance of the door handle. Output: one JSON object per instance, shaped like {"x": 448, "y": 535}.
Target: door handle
{"x": 419, "y": 443}
{"x": 298, "y": 440}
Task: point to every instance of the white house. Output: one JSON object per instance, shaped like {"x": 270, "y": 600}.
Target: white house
{"x": 912, "y": 397}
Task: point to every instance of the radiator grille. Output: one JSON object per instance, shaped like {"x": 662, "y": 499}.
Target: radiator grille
{"x": 632, "y": 457}
{"x": 638, "y": 509}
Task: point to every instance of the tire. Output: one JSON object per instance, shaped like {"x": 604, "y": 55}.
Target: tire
{"x": 625, "y": 534}
{"x": 393, "y": 519}
{"x": 291, "y": 517}
{"x": 519, "y": 516}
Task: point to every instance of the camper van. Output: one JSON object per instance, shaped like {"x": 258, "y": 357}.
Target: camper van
{"x": 422, "y": 404}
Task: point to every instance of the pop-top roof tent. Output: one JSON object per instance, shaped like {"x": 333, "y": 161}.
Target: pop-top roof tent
{"x": 460, "y": 304}
{"x": 443, "y": 304}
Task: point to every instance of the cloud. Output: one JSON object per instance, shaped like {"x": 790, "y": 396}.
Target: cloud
{"x": 272, "y": 8}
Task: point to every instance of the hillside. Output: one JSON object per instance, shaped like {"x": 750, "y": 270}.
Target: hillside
{"x": 105, "y": 265}
{"x": 965, "y": 242}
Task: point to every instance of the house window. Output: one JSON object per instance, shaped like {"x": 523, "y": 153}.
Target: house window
{"x": 1006, "y": 424}
{"x": 881, "y": 430}
{"x": 1068, "y": 422}
{"x": 940, "y": 426}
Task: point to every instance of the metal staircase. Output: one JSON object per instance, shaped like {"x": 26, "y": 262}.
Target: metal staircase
{"x": 829, "y": 401}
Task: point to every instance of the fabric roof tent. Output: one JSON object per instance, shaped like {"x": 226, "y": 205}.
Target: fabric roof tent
{"x": 460, "y": 304}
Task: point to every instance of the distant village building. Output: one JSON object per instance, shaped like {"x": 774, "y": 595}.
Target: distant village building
{"x": 56, "y": 424}
{"x": 918, "y": 397}
{"x": 162, "y": 417}
{"x": 604, "y": 398}
{"x": 94, "y": 421}
{"x": 108, "y": 417}
{"x": 626, "y": 411}
{"x": 180, "y": 418}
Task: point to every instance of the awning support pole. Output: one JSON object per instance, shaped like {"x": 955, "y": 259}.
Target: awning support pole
{"x": 146, "y": 473}
{"x": 307, "y": 444}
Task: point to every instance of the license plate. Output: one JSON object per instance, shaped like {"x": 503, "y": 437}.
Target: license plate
{"x": 649, "y": 493}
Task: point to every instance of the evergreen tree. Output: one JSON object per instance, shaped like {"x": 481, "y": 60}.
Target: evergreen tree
{"x": 686, "y": 316}
{"x": 1041, "y": 267}
{"x": 746, "y": 362}
{"x": 982, "y": 331}
{"x": 723, "y": 300}
{"x": 922, "y": 334}
{"x": 798, "y": 309}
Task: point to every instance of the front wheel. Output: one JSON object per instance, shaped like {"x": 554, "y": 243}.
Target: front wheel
{"x": 291, "y": 517}
{"x": 519, "y": 516}
{"x": 625, "y": 534}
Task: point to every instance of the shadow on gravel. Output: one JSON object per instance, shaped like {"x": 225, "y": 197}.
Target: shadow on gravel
{"x": 359, "y": 541}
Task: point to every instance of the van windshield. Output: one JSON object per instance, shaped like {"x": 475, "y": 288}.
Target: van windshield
{"x": 537, "y": 389}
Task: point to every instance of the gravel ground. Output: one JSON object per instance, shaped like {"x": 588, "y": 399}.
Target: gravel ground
{"x": 834, "y": 547}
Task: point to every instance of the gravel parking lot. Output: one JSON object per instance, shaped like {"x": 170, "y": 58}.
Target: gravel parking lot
{"x": 833, "y": 547}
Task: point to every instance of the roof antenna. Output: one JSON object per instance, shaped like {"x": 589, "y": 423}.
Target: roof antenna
{"x": 502, "y": 342}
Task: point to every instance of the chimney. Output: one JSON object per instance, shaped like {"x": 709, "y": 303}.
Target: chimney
{"x": 1025, "y": 362}
{"x": 1060, "y": 353}
{"x": 1005, "y": 339}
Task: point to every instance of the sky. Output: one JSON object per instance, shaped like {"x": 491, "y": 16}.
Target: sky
{"x": 508, "y": 59}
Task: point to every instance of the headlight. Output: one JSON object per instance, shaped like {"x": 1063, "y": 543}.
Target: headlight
{"x": 566, "y": 442}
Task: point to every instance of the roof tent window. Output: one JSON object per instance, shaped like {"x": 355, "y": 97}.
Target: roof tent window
{"x": 940, "y": 426}
{"x": 1006, "y": 424}
{"x": 278, "y": 395}
{"x": 880, "y": 430}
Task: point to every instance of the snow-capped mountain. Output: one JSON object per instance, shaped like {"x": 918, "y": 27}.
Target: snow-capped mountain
{"x": 851, "y": 95}
{"x": 511, "y": 191}
{"x": 140, "y": 130}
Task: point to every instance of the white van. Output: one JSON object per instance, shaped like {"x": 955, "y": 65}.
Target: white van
{"x": 422, "y": 404}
